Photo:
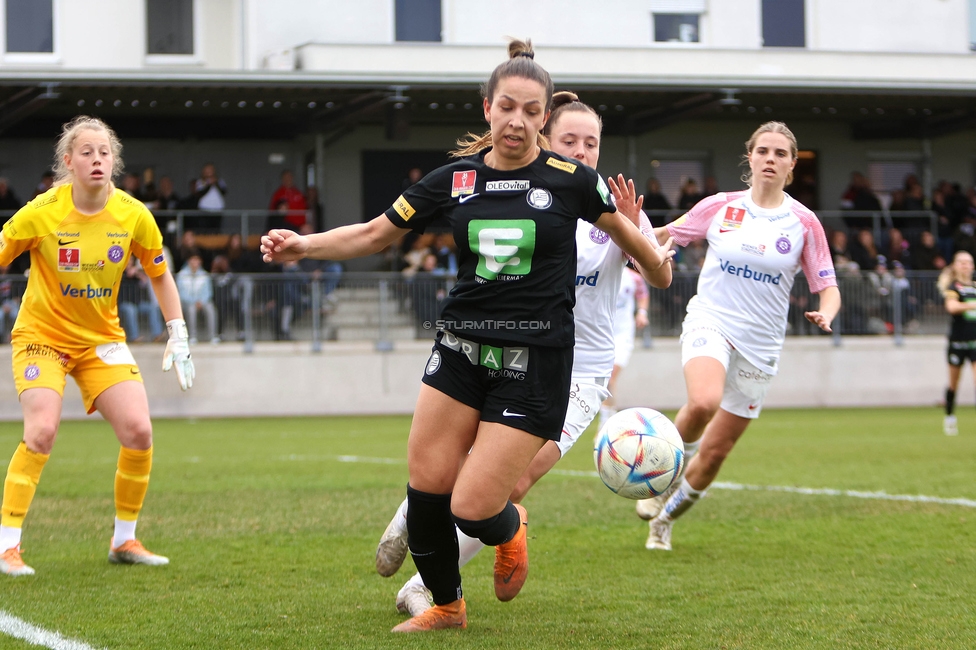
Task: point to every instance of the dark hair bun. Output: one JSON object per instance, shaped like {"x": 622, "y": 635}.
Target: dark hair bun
{"x": 518, "y": 48}
{"x": 564, "y": 97}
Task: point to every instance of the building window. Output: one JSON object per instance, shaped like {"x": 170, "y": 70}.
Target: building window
{"x": 972, "y": 25}
{"x": 418, "y": 20}
{"x": 169, "y": 27}
{"x": 30, "y": 26}
{"x": 675, "y": 28}
{"x": 673, "y": 175}
{"x": 676, "y": 21}
{"x": 783, "y": 23}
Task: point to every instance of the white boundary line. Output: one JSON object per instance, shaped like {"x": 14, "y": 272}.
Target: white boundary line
{"x": 21, "y": 629}
{"x": 856, "y": 494}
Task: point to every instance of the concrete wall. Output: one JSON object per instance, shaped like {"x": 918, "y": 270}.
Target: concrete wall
{"x": 351, "y": 378}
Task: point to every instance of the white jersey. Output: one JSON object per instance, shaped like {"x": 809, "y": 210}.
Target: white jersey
{"x": 632, "y": 289}
{"x": 599, "y": 265}
{"x": 753, "y": 257}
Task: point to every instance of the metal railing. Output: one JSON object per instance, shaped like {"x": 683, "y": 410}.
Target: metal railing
{"x": 385, "y": 307}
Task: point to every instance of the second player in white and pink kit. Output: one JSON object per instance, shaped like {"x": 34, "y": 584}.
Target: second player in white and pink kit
{"x": 735, "y": 327}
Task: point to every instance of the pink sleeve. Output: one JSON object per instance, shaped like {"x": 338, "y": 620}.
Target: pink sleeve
{"x": 694, "y": 224}
{"x": 815, "y": 260}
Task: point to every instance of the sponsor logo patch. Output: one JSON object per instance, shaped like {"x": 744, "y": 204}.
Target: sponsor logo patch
{"x": 754, "y": 249}
{"x": 507, "y": 186}
{"x": 404, "y": 209}
{"x": 159, "y": 259}
{"x": 732, "y": 219}
{"x": 97, "y": 267}
{"x": 69, "y": 259}
{"x": 561, "y": 164}
{"x": 115, "y": 354}
{"x": 433, "y": 363}
{"x": 504, "y": 247}
{"x": 749, "y": 274}
{"x": 826, "y": 273}
{"x": 463, "y": 183}
{"x": 539, "y": 198}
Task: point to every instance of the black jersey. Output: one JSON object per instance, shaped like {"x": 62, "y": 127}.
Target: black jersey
{"x": 516, "y": 238}
{"x": 963, "y": 327}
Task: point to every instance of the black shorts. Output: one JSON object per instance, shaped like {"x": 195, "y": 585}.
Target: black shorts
{"x": 961, "y": 351}
{"x": 521, "y": 386}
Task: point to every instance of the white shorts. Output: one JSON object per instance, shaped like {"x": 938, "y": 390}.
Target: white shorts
{"x": 623, "y": 347}
{"x": 586, "y": 394}
{"x": 745, "y": 384}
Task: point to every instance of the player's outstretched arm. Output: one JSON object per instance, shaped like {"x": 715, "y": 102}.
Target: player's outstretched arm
{"x": 829, "y": 306}
{"x": 342, "y": 243}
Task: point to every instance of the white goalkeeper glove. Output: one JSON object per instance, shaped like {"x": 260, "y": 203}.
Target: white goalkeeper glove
{"x": 178, "y": 353}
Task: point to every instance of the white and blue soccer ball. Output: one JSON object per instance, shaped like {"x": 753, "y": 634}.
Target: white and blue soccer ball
{"x": 639, "y": 453}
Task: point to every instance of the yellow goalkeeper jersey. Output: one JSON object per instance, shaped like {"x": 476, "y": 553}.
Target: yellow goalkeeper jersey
{"x": 77, "y": 262}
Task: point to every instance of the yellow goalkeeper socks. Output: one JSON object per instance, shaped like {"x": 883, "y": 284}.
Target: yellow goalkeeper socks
{"x": 131, "y": 482}
{"x": 23, "y": 475}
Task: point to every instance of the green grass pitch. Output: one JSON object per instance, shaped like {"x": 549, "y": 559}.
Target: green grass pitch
{"x": 271, "y": 535}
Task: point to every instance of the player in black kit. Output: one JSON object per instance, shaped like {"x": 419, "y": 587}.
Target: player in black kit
{"x": 959, "y": 292}
{"x": 497, "y": 382}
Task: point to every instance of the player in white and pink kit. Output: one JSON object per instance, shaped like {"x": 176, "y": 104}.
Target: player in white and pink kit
{"x": 758, "y": 239}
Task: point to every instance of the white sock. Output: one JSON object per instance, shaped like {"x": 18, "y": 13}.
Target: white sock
{"x": 682, "y": 499}
{"x": 691, "y": 450}
{"x": 468, "y": 547}
{"x": 415, "y": 579}
{"x": 401, "y": 516}
{"x": 124, "y": 532}
{"x": 9, "y": 537}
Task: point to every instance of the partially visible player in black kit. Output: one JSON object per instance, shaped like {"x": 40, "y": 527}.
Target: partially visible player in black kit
{"x": 497, "y": 380}
{"x": 959, "y": 293}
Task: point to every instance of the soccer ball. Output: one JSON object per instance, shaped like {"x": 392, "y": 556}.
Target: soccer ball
{"x": 639, "y": 453}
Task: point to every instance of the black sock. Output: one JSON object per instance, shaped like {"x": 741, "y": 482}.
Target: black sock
{"x": 433, "y": 544}
{"x": 950, "y": 401}
{"x": 492, "y": 531}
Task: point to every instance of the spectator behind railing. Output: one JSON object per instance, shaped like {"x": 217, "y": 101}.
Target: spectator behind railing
{"x": 859, "y": 196}
{"x": 188, "y": 246}
{"x": 8, "y": 200}
{"x": 208, "y": 195}
{"x": 134, "y": 300}
{"x": 414, "y": 258}
{"x": 326, "y": 272}
{"x": 46, "y": 183}
{"x": 898, "y": 249}
{"x": 839, "y": 250}
{"x": 196, "y": 294}
{"x": 655, "y": 200}
{"x": 864, "y": 252}
{"x": 690, "y": 195}
{"x": 9, "y": 303}
{"x": 293, "y": 200}
{"x": 926, "y": 255}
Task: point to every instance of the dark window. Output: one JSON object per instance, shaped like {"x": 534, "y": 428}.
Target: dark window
{"x": 418, "y": 20}
{"x": 680, "y": 28}
{"x": 783, "y": 23}
{"x": 169, "y": 26}
{"x": 30, "y": 26}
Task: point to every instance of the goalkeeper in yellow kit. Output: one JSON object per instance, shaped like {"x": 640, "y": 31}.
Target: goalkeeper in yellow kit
{"x": 80, "y": 234}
